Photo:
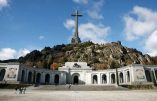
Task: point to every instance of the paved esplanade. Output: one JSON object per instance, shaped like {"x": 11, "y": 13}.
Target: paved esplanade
{"x": 48, "y": 95}
{"x": 76, "y": 38}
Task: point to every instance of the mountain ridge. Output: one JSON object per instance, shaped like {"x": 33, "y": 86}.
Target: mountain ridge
{"x": 100, "y": 56}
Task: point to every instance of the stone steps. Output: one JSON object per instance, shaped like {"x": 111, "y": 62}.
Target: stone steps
{"x": 77, "y": 88}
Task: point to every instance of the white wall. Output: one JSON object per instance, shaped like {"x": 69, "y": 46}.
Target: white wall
{"x": 11, "y": 74}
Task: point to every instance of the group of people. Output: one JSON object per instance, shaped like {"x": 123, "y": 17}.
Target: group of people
{"x": 20, "y": 90}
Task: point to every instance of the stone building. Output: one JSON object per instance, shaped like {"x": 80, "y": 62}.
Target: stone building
{"x": 78, "y": 73}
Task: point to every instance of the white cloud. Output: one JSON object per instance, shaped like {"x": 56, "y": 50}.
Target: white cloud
{"x": 151, "y": 44}
{"x": 95, "y": 15}
{"x": 3, "y": 3}
{"x": 81, "y": 1}
{"x": 95, "y": 33}
{"x": 144, "y": 24}
{"x": 141, "y": 24}
{"x": 69, "y": 24}
{"x": 9, "y": 53}
{"x": 41, "y": 37}
{"x": 90, "y": 31}
{"x": 95, "y": 10}
{"x": 22, "y": 52}
{"x": 94, "y": 7}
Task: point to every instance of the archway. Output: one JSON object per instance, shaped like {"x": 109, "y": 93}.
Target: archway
{"x": 30, "y": 77}
{"x": 76, "y": 80}
{"x": 104, "y": 79}
{"x": 56, "y": 79}
{"x": 2, "y": 73}
{"x": 121, "y": 78}
{"x": 156, "y": 74}
{"x": 95, "y": 79}
{"x": 47, "y": 79}
{"x": 148, "y": 75}
{"x": 23, "y": 76}
{"x": 38, "y": 78}
{"x": 128, "y": 76}
{"x": 113, "y": 78}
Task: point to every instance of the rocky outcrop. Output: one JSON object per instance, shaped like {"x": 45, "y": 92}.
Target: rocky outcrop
{"x": 101, "y": 56}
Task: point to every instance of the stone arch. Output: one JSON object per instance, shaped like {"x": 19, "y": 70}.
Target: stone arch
{"x": 2, "y": 74}
{"x": 75, "y": 78}
{"x": 47, "y": 78}
{"x": 38, "y": 78}
{"x": 121, "y": 80}
{"x": 104, "y": 79}
{"x": 56, "y": 79}
{"x": 128, "y": 76}
{"x": 148, "y": 76}
{"x": 156, "y": 74}
{"x": 23, "y": 76}
{"x": 95, "y": 79}
{"x": 113, "y": 80}
{"x": 29, "y": 77}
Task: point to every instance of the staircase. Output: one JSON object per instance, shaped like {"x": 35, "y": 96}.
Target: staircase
{"x": 77, "y": 87}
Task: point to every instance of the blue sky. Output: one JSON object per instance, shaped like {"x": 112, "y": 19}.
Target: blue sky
{"x": 26, "y": 25}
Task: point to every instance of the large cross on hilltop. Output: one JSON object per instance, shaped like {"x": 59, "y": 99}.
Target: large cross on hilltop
{"x": 76, "y": 38}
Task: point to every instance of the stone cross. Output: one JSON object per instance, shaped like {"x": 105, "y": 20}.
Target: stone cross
{"x": 76, "y": 38}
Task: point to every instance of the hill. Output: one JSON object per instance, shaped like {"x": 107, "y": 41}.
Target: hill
{"x": 100, "y": 56}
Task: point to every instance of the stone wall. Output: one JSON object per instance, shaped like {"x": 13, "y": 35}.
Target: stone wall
{"x": 79, "y": 73}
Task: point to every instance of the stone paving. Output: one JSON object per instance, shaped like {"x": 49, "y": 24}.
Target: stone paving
{"x": 48, "y": 95}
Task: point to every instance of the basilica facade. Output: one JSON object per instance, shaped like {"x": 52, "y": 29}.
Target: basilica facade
{"x": 78, "y": 73}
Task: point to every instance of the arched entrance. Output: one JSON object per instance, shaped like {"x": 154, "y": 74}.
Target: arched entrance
{"x": 30, "y": 77}
{"x": 75, "y": 80}
{"x": 128, "y": 76}
{"x": 56, "y": 79}
{"x": 113, "y": 78}
{"x": 156, "y": 73}
{"x": 104, "y": 79}
{"x": 148, "y": 75}
{"x": 2, "y": 73}
{"x": 23, "y": 76}
{"x": 38, "y": 78}
{"x": 95, "y": 79}
{"x": 121, "y": 78}
{"x": 47, "y": 79}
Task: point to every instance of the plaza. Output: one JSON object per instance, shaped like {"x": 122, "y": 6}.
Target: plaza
{"x": 48, "y": 95}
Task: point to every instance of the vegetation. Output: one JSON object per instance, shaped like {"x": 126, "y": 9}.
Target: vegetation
{"x": 101, "y": 56}
{"x": 114, "y": 65}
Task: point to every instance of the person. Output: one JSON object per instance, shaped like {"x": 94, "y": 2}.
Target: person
{"x": 5, "y": 82}
{"x": 20, "y": 90}
{"x": 24, "y": 90}
{"x": 69, "y": 86}
{"x": 16, "y": 90}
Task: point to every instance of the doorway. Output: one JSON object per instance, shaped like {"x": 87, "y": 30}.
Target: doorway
{"x": 75, "y": 80}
